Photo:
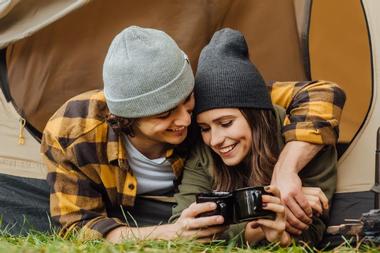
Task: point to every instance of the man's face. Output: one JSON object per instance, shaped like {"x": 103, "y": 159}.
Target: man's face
{"x": 169, "y": 127}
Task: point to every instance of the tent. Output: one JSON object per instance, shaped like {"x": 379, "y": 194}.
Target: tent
{"x": 53, "y": 50}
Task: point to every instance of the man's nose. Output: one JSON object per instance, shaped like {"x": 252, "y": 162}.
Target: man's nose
{"x": 182, "y": 116}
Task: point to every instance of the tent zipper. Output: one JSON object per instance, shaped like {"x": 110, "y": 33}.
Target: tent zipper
{"x": 21, "y": 135}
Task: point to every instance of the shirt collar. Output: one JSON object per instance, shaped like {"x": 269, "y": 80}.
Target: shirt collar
{"x": 116, "y": 153}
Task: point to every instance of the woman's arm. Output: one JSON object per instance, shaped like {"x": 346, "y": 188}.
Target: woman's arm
{"x": 195, "y": 179}
{"x": 271, "y": 230}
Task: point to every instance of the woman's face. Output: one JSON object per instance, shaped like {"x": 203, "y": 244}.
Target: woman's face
{"x": 227, "y": 133}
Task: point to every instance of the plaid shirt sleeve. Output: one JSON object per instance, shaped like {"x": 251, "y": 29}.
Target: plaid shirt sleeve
{"x": 313, "y": 110}
{"x": 75, "y": 200}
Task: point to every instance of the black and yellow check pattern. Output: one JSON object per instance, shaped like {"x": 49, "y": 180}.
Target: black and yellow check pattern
{"x": 313, "y": 110}
{"x": 87, "y": 166}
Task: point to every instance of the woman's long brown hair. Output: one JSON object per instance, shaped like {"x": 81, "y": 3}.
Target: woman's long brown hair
{"x": 257, "y": 167}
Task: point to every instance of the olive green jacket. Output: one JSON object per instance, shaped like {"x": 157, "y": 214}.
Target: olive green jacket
{"x": 197, "y": 177}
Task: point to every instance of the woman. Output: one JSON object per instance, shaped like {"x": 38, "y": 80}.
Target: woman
{"x": 241, "y": 128}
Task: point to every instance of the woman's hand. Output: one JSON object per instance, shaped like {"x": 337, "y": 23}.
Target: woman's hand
{"x": 317, "y": 199}
{"x": 203, "y": 228}
{"x": 272, "y": 230}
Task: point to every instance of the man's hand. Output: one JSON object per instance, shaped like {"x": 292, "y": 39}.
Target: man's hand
{"x": 204, "y": 229}
{"x": 299, "y": 211}
{"x": 293, "y": 158}
{"x": 317, "y": 199}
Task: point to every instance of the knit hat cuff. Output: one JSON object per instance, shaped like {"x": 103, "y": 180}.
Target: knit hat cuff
{"x": 247, "y": 105}
{"x": 156, "y": 101}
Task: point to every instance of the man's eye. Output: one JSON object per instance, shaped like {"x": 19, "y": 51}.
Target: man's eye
{"x": 226, "y": 123}
{"x": 164, "y": 115}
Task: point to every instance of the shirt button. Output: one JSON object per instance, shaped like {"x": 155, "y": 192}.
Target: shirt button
{"x": 131, "y": 186}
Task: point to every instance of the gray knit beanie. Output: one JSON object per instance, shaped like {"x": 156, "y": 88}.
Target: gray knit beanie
{"x": 226, "y": 78}
{"x": 145, "y": 73}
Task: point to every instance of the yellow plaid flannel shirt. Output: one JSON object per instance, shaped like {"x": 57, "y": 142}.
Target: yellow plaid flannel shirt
{"x": 87, "y": 161}
{"x": 313, "y": 110}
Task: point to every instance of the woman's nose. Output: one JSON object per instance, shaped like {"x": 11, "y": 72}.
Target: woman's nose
{"x": 216, "y": 138}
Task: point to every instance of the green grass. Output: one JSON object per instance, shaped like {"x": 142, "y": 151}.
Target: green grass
{"x": 39, "y": 242}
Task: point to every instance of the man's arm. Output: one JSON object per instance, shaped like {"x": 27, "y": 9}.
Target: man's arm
{"x": 313, "y": 111}
{"x": 74, "y": 202}
{"x": 78, "y": 206}
{"x": 188, "y": 226}
{"x": 293, "y": 158}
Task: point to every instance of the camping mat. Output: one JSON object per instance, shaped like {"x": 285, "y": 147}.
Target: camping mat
{"x": 350, "y": 205}
{"x": 145, "y": 212}
{"x": 24, "y": 204}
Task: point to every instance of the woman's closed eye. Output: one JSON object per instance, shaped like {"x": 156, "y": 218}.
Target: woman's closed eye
{"x": 204, "y": 129}
{"x": 226, "y": 124}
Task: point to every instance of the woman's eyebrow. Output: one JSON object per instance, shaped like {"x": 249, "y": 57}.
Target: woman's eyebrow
{"x": 218, "y": 119}
{"x": 223, "y": 117}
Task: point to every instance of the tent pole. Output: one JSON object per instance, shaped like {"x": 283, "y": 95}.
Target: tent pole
{"x": 377, "y": 169}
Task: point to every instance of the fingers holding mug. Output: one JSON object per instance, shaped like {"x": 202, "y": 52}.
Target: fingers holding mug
{"x": 270, "y": 199}
{"x": 276, "y": 207}
{"x": 273, "y": 190}
{"x": 196, "y": 209}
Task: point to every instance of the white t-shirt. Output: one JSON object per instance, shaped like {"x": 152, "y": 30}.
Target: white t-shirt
{"x": 154, "y": 177}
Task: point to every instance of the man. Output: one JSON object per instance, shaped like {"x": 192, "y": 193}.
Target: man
{"x": 113, "y": 155}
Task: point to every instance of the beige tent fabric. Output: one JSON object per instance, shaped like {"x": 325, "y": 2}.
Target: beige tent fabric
{"x": 6, "y": 6}
{"x": 15, "y": 159}
{"x": 339, "y": 51}
{"x": 356, "y": 169}
{"x": 66, "y": 57}
{"x": 19, "y": 19}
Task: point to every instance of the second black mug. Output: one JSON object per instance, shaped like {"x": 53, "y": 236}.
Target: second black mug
{"x": 248, "y": 204}
{"x": 241, "y": 205}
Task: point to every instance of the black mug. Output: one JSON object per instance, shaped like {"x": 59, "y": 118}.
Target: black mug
{"x": 224, "y": 205}
{"x": 248, "y": 204}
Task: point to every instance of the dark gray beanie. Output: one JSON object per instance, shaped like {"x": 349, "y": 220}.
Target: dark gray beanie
{"x": 226, "y": 78}
{"x": 145, "y": 73}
